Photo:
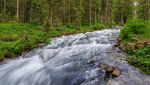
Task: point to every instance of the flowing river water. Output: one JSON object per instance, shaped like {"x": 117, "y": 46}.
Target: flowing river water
{"x": 73, "y": 60}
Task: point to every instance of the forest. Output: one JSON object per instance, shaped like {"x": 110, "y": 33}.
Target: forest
{"x": 24, "y": 24}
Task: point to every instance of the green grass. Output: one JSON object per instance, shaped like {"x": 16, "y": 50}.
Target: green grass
{"x": 141, "y": 29}
{"x": 16, "y": 38}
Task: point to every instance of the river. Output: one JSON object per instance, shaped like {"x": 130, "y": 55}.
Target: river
{"x": 73, "y": 60}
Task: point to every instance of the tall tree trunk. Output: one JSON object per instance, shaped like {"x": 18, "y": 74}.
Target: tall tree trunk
{"x": 148, "y": 1}
{"x": 106, "y": 13}
{"x": 95, "y": 16}
{"x": 20, "y": 12}
{"x": 1, "y": 5}
{"x": 64, "y": 12}
{"x": 4, "y": 4}
{"x": 18, "y": 9}
{"x": 102, "y": 12}
{"x": 101, "y": 17}
{"x": 69, "y": 12}
{"x": 134, "y": 8}
{"x": 122, "y": 19}
{"x": 50, "y": 12}
{"x": 27, "y": 11}
{"x": 90, "y": 13}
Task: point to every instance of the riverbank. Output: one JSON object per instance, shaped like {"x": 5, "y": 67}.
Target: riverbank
{"x": 16, "y": 38}
{"x": 135, "y": 40}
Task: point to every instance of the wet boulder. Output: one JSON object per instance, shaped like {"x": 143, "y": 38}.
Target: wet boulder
{"x": 110, "y": 69}
{"x": 116, "y": 72}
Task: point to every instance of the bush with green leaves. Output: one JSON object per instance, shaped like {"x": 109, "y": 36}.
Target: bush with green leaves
{"x": 98, "y": 26}
{"x": 140, "y": 29}
{"x": 141, "y": 59}
{"x": 16, "y": 38}
{"x": 132, "y": 29}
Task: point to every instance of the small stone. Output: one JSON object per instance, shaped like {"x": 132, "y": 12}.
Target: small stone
{"x": 109, "y": 51}
{"x": 116, "y": 45}
{"x": 118, "y": 50}
{"x": 116, "y": 73}
{"x": 124, "y": 49}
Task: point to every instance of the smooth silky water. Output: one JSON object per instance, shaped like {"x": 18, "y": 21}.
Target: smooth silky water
{"x": 73, "y": 60}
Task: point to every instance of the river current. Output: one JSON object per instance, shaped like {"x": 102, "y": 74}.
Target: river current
{"x": 73, "y": 60}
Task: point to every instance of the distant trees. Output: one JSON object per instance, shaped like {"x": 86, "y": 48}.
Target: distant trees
{"x": 60, "y": 12}
{"x": 123, "y": 9}
{"x": 143, "y": 9}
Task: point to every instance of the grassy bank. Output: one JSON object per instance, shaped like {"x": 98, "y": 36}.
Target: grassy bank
{"x": 136, "y": 32}
{"x": 17, "y": 38}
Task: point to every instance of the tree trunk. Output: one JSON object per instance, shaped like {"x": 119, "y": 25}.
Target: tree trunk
{"x": 18, "y": 9}
{"x": 106, "y": 13}
{"x": 4, "y": 4}
{"x": 101, "y": 17}
{"x": 20, "y": 12}
{"x": 90, "y": 13}
{"x": 95, "y": 16}
{"x": 27, "y": 11}
{"x": 69, "y": 12}
{"x": 1, "y": 5}
{"x": 50, "y": 12}
{"x": 149, "y": 7}
{"x": 64, "y": 12}
{"x": 122, "y": 19}
{"x": 102, "y": 12}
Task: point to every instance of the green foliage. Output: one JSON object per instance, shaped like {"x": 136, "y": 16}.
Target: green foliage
{"x": 69, "y": 25}
{"x": 6, "y": 16}
{"x": 98, "y": 26}
{"x": 16, "y": 38}
{"x": 140, "y": 29}
{"x": 133, "y": 28}
{"x": 141, "y": 58}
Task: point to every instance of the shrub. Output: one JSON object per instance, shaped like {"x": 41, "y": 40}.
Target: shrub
{"x": 133, "y": 28}
{"x": 98, "y": 26}
{"x": 69, "y": 25}
{"x": 141, "y": 58}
